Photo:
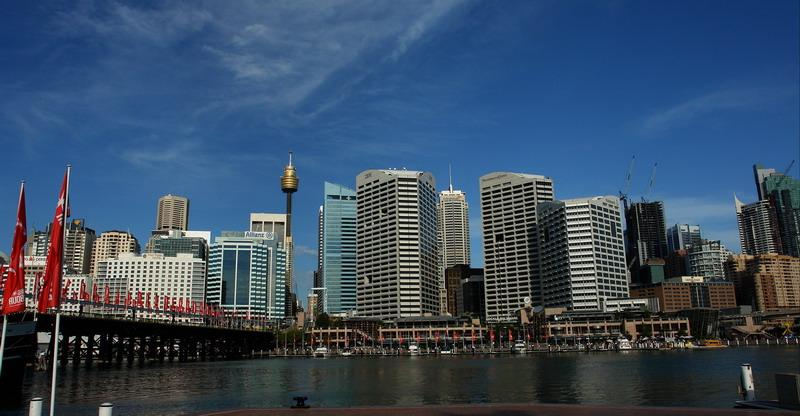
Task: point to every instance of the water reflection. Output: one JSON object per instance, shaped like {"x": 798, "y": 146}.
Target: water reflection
{"x": 651, "y": 378}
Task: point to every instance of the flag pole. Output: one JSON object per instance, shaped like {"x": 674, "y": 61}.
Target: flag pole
{"x": 58, "y": 293}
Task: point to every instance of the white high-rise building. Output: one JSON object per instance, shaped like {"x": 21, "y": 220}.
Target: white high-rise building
{"x": 758, "y": 227}
{"x": 582, "y": 252}
{"x": 111, "y": 244}
{"x": 707, "y": 258}
{"x": 181, "y": 279}
{"x": 453, "y": 235}
{"x": 396, "y": 251}
{"x": 510, "y": 240}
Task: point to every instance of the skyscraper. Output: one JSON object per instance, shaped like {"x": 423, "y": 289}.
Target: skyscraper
{"x": 78, "y": 246}
{"x": 173, "y": 213}
{"x": 783, "y": 193}
{"x": 510, "y": 240}
{"x": 679, "y": 235}
{"x": 758, "y": 227}
{"x": 337, "y": 252}
{"x": 110, "y": 245}
{"x": 247, "y": 274}
{"x": 396, "y": 256}
{"x": 582, "y": 252}
{"x": 186, "y": 242}
{"x": 707, "y": 258}
{"x": 646, "y": 235}
{"x": 453, "y": 236}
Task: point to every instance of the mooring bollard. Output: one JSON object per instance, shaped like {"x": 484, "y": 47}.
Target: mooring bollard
{"x": 106, "y": 409}
{"x": 747, "y": 387}
{"x": 36, "y": 407}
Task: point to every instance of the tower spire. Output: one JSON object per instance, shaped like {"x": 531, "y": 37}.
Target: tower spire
{"x": 450, "y": 169}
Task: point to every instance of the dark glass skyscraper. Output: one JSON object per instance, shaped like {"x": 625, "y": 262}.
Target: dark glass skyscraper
{"x": 646, "y": 235}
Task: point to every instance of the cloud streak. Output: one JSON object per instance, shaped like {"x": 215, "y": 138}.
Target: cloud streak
{"x": 694, "y": 109}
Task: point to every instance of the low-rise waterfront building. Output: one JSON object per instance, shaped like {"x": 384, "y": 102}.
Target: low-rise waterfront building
{"x": 688, "y": 292}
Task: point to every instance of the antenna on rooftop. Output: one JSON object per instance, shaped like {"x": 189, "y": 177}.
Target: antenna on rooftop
{"x": 450, "y": 169}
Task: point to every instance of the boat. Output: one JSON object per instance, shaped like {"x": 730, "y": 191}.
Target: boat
{"x": 446, "y": 351}
{"x": 713, "y": 343}
{"x": 347, "y": 352}
{"x": 623, "y": 344}
{"x": 519, "y": 348}
{"x": 321, "y": 352}
{"x": 413, "y": 349}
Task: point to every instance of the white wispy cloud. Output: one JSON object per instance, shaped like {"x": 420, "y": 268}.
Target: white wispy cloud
{"x": 703, "y": 105}
{"x": 304, "y": 251}
{"x": 694, "y": 210}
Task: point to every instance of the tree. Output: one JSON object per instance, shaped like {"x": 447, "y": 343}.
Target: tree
{"x": 323, "y": 321}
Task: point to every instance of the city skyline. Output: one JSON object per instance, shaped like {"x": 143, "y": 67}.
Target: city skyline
{"x": 204, "y": 102}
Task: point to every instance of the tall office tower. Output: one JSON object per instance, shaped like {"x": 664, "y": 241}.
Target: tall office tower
{"x": 453, "y": 236}
{"x": 761, "y": 175}
{"x": 454, "y": 277}
{"x": 707, "y": 259}
{"x": 396, "y": 255}
{"x": 289, "y": 182}
{"x": 510, "y": 240}
{"x": 188, "y": 242}
{"x": 111, "y": 244}
{"x": 78, "y": 243}
{"x": 758, "y": 228}
{"x": 453, "y": 221}
{"x": 582, "y": 252}
{"x": 247, "y": 274}
{"x": 646, "y": 235}
{"x": 768, "y": 282}
{"x": 783, "y": 194}
{"x": 37, "y": 243}
{"x": 679, "y": 235}
{"x": 338, "y": 250}
{"x": 173, "y": 213}
{"x": 181, "y": 278}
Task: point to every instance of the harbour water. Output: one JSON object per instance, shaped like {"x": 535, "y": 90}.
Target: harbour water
{"x": 685, "y": 378}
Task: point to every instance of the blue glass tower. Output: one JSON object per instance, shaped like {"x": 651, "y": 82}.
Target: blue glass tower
{"x": 247, "y": 274}
{"x": 338, "y": 249}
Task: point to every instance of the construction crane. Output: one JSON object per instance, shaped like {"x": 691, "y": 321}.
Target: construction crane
{"x": 785, "y": 173}
{"x": 650, "y": 187}
{"x": 623, "y": 195}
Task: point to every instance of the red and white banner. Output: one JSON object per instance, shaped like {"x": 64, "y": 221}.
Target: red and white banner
{"x": 14, "y": 289}
{"x": 51, "y": 288}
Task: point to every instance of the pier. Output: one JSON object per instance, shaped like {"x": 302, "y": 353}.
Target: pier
{"x": 87, "y": 340}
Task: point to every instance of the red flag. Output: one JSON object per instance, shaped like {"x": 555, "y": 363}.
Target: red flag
{"x": 166, "y": 302}
{"x": 491, "y": 335}
{"x": 473, "y": 335}
{"x": 55, "y": 254}
{"x": 83, "y": 294}
{"x": 116, "y": 298}
{"x": 95, "y": 294}
{"x": 138, "y": 299}
{"x": 65, "y": 291}
{"x": 148, "y": 300}
{"x": 14, "y": 289}
{"x": 180, "y": 305}
{"x": 455, "y": 336}
{"x": 107, "y": 295}
{"x": 401, "y": 337}
{"x": 382, "y": 338}
{"x": 510, "y": 335}
{"x": 419, "y": 338}
{"x": 156, "y": 305}
{"x": 437, "y": 337}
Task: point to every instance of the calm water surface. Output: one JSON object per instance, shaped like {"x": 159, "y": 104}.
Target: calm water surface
{"x": 695, "y": 378}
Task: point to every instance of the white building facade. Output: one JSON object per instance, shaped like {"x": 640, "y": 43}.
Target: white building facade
{"x": 582, "y": 253}
{"x": 510, "y": 240}
{"x": 397, "y": 272}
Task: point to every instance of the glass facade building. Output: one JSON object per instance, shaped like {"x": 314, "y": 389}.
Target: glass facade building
{"x": 337, "y": 250}
{"x": 247, "y": 275}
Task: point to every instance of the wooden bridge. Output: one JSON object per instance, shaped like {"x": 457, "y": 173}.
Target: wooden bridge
{"x": 91, "y": 339}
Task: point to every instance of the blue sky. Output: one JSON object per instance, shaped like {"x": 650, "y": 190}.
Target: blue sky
{"x": 205, "y": 99}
